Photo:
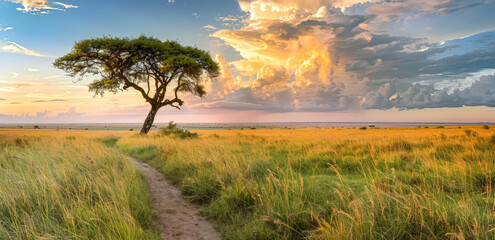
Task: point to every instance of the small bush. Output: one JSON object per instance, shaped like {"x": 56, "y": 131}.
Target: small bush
{"x": 36, "y": 127}
{"x": 440, "y": 127}
{"x": 468, "y": 132}
{"x": 372, "y": 126}
{"x": 169, "y": 129}
{"x": 172, "y": 129}
{"x": 363, "y": 128}
{"x": 486, "y": 127}
{"x": 131, "y": 130}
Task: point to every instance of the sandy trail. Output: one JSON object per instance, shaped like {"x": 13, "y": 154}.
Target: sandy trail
{"x": 177, "y": 218}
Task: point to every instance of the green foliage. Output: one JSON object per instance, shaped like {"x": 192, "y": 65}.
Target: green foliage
{"x": 363, "y": 128}
{"x": 486, "y": 127}
{"x": 108, "y": 141}
{"x": 169, "y": 129}
{"x": 124, "y": 62}
{"x": 172, "y": 129}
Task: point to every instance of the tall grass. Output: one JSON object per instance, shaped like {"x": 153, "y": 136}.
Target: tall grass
{"x": 62, "y": 185}
{"x": 393, "y": 183}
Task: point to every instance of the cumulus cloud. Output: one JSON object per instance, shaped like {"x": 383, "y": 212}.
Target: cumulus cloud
{"x": 310, "y": 56}
{"x": 481, "y": 92}
{"x": 290, "y": 10}
{"x": 12, "y": 47}
{"x": 41, "y": 6}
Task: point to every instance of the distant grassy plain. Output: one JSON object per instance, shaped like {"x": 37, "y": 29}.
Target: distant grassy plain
{"x": 70, "y": 185}
{"x": 386, "y": 183}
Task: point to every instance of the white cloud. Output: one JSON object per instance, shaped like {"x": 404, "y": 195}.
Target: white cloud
{"x": 12, "y": 47}
{"x": 65, "y": 5}
{"x": 5, "y": 29}
{"x": 33, "y": 70}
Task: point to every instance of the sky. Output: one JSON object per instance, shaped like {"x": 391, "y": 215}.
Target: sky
{"x": 281, "y": 60}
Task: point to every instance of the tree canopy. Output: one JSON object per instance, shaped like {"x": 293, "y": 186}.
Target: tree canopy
{"x": 145, "y": 64}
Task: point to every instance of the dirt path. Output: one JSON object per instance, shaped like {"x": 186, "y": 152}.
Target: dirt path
{"x": 177, "y": 218}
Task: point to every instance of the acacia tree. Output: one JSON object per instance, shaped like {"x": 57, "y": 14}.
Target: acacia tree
{"x": 145, "y": 64}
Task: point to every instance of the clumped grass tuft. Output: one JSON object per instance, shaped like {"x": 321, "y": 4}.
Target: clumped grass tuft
{"x": 389, "y": 183}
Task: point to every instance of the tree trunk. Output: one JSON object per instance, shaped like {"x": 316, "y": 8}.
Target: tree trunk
{"x": 148, "y": 123}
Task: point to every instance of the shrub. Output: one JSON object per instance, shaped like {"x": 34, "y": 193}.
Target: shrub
{"x": 468, "y": 132}
{"x": 486, "y": 127}
{"x": 440, "y": 127}
{"x": 36, "y": 127}
{"x": 172, "y": 129}
{"x": 363, "y": 128}
{"x": 132, "y": 129}
{"x": 169, "y": 129}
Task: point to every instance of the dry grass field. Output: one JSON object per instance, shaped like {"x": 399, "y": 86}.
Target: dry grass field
{"x": 69, "y": 185}
{"x": 386, "y": 183}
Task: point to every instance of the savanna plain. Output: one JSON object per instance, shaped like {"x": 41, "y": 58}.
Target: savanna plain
{"x": 343, "y": 183}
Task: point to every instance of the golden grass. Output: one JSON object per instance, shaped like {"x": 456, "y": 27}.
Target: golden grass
{"x": 69, "y": 185}
{"x": 387, "y": 183}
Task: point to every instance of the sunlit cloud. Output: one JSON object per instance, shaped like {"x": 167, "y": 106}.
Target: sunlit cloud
{"x": 210, "y": 27}
{"x": 302, "y": 55}
{"x": 41, "y": 6}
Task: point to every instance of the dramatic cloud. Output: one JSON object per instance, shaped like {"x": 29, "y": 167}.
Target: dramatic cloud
{"x": 311, "y": 56}
{"x": 289, "y": 10}
{"x": 12, "y": 47}
{"x": 41, "y": 6}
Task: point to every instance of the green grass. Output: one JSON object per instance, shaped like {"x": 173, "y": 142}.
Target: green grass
{"x": 410, "y": 183}
{"x": 70, "y": 187}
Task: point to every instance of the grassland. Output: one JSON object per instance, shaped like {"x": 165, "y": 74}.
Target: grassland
{"x": 70, "y": 185}
{"x": 407, "y": 183}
